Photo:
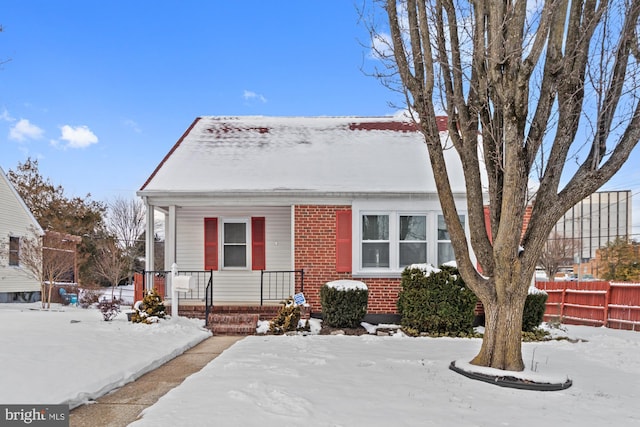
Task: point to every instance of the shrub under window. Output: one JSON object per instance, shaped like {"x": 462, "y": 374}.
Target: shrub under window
{"x": 436, "y": 301}
{"x": 344, "y": 303}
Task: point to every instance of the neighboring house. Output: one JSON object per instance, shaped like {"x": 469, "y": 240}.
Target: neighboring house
{"x": 337, "y": 197}
{"x": 16, "y": 224}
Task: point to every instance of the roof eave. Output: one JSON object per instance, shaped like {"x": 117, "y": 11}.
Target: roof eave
{"x": 276, "y": 197}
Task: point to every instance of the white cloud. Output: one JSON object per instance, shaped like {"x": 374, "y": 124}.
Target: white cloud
{"x": 24, "y": 130}
{"x": 250, "y": 95}
{"x": 76, "y": 137}
{"x": 5, "y": 116}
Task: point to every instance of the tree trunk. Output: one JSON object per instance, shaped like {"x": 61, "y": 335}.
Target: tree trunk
{"x": 502, "y": 342}
{"x": 49, "y": 294}
{"x": 43, "y": 293}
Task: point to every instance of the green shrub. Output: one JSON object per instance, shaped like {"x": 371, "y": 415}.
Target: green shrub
{"x": 150, "y": 309}
{"x": 438, "y": 303}
{"x": 534, "y": 308}
{"x": 287, "y": 318}
{"x": 343, "y": 308}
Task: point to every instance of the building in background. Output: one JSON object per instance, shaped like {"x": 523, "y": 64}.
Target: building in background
{"x": 595, "y": 221}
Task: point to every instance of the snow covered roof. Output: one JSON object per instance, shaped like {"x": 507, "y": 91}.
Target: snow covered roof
{"x": 302, "y": 154}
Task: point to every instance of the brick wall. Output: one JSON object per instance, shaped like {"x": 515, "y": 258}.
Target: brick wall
{"x": 315, "y": 252}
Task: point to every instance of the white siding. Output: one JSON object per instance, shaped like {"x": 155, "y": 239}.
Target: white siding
{"x": 240, "y": 286}
{"x": 15, "y": 221}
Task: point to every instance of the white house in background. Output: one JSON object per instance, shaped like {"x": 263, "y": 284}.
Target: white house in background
{"x": 337, "y": 197}
{"x": 16, "y": 223}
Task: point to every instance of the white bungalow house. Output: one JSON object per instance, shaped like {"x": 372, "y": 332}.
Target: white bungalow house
{"x": 334, "y": 197}
{"x": 16, "y": 223}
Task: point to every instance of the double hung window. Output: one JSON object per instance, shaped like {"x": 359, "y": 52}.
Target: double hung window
{"x": 412, "y": 240}
{"x": 393, "y": 241}
{"x": 445, "y": 249}
{"x": 234, "y": 244}
{"x": 238, "y": 243}
{"x": 14, "y": 250}
{"x": 375, "y": 241}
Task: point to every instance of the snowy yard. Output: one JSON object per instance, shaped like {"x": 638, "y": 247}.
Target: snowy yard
{"x": 71, "y": 355}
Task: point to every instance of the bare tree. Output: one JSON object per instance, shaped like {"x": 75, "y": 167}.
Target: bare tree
{"x": 110, "y": 264}
{"x": 551, "y": 89}
{"x": 126, "y": 221}
{"x": 558, "y": 251}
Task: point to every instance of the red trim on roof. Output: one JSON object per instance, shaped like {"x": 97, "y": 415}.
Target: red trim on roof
{"x": 395, "y": 126}
{"x": 174, "y": 148}
{"x": 398, "y": 126}
{"x": 225, "y": 128}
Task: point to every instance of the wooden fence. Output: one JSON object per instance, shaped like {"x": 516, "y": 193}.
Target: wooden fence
{"x": 139, "y": 285}
{"x": 597, "y": 303}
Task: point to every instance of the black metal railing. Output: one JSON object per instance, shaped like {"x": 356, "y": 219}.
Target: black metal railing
{"x": 200, "y": 282}
{"x": 154, "y": 279}
{"x": 276, "y": 286}
{"x": 208, "y": 300}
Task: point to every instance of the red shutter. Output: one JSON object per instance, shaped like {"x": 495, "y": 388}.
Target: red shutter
{"x": 258, "y": 243}
{"x": 343, "y": 241}
{"x": 211, "y": 243}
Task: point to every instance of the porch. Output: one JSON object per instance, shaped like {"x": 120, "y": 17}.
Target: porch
{"x": 223, "y": 317}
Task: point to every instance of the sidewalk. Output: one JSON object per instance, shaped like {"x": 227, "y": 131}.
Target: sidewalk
{"x": 121, "y": 407}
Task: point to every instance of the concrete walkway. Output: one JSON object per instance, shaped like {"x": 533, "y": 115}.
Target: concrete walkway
{"x": 122, "y": 406}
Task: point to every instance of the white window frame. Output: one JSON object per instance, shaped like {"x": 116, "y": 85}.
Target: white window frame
{"x": 388, "y": 241}
{"x": 394, "y": 270}
{"x": 394, "y": 240}
{"x": 439, "y": 241}
{"x": 426, "y": 237}
{"x": 247, "y": 243}
{"x": 17, "y": 252}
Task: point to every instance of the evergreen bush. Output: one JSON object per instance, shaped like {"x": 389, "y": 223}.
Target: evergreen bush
{"x": 287, "y": 318}
{"x": 150, "y": 309}
{"x": 534, "y": 308}
{"x": 343, "y": 306}
{"x": 436, "y": 303}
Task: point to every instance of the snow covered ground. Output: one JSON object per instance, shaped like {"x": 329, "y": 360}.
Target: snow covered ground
{"x": 72, "y": 355}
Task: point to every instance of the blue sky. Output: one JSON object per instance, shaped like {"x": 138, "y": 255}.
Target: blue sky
{"x": 98, "y": 92}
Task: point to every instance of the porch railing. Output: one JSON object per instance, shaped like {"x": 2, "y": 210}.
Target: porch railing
{"x": 208, "y": 300}
{"x": 276, "y": 286}
{"x": 202, "y": 279}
